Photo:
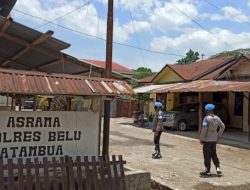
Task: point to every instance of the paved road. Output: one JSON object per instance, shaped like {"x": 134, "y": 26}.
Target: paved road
{"x": 182, "y": 158}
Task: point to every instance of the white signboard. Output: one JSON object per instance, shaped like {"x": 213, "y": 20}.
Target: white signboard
{"x": 47, "y": 134}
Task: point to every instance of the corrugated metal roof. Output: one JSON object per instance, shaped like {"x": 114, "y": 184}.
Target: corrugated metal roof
{"x": 29, "y": 82}
{"x": 24, "y": 48}
{"x": 206, "y": 86}
{"x": 29, "y": 34}
{"x": 115, "y": 66}
{"x": 148, "y": 88}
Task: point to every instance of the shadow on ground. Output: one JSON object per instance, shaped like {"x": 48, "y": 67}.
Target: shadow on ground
{"x": 133, "y": 141}
{"x": 232, "y": 137}
{"x": 208, "y": 186}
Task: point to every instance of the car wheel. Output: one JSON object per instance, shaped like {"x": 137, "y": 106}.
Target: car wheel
{"x": 182, "y": 125}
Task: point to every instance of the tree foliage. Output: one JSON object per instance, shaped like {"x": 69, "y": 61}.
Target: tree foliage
{"x": 235, "y": 53}
{"x": 142, "y": 72}
{"x": 190, "y": 57}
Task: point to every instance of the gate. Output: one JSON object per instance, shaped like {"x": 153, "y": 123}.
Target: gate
{"x": 99, "y": 173}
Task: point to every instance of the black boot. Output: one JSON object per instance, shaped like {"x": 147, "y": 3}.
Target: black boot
{"x": 218, "y": 170}
{"x": 154, "y": 154}
{"x": 157, "y": 156}
{"x": 206, "y": 172}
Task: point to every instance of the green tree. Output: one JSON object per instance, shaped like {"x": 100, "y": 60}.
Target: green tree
{"x": 190, "y": 57}
{"x": 142, "y": 72}
{"x": 235, "y": 53}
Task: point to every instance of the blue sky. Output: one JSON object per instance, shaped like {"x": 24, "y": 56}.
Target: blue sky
{"x": 169, "y": 27}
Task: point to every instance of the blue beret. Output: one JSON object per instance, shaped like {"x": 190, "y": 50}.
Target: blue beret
{"x": 209, "y": 107}
{"x": 158, "y": 104}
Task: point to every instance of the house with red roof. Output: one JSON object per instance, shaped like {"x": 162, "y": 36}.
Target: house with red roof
{"x": 222, "y": 80}
{"x": 116, "y": 67}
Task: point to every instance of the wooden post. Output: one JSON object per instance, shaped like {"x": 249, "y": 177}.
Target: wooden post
{"x": 67, "y": 171}
{"x": 35, "y": 103}
{"x": 108, "y": 74}
{"x": 12, "y": 102}
{"x": 100, "y": 125}
{"x": 68, "y": 100}
{"x": 248, "y": 119}
{"x": 19, "y": 103}
{"x": 7, "y": 100}
{"x": 200, "y": 110}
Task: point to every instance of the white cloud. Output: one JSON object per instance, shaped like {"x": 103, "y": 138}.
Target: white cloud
{"x": 170, "y": 15}
{"x": 209, "y": 43}
{"x": 86, "y": 20}
{"x": 229, "y": 13}
{"x": 137, "y": 7}
{"x": 136, "y": 26}
{"x": 132, "y": 5}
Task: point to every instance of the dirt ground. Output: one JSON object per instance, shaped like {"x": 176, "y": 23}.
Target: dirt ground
{"x": 182, "y": 159}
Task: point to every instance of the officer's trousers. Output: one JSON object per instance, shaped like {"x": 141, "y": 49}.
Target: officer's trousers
{"x": 157, "y": 137}
{"x": 209, "y": 152}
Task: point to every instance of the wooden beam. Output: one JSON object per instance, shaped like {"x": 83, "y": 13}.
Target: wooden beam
{"x": 52, "y": 53}
{"x": 37, "y": 41}
{"x": 54, "y": 62}
{"x": 42, "y": 38}
{"x": 6, "y": 25}
{"x": 81, "y": 72}
{"x": 9, "y": 59}
{"x": 200, "y": 110}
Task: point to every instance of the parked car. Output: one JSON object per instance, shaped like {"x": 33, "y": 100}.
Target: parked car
{"x": 28, "y": 104}
{"x": 186, "y": 116}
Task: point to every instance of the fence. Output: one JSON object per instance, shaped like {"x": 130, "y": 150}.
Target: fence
{"x": 63, "y": 174}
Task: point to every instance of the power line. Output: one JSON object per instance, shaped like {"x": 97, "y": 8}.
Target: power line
{"x": 219, "y": 8}
{"x": 66, "y": 14}
{"x": 98, "y": 37}
{"x": 98, "y": 24}
{"x": 136, "y": 36}
{"x": 197, "y": 23}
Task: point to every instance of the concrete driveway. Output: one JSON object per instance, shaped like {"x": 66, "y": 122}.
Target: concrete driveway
{"x": 182, "y": 158}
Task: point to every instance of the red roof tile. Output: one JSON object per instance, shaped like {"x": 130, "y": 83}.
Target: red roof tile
{"x": 146, "y": 79}
{"x": 115, "y": 66}
{"x": 193, "y": 70}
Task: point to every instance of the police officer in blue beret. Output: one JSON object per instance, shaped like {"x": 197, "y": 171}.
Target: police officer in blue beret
{"x": 211, "y": 131}
{"x": 157, "y": 129}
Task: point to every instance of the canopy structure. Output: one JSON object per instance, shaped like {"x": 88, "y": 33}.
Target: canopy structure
{"x": 30, "y": 82}
{"x": 200, "y": 86}
{"x": 25, "y": 48}
{"x": 147, "y": 89}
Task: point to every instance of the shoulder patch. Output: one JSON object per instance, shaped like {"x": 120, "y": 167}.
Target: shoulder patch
{"x": 160, "y": 115}
{"x": 205, "y": 122}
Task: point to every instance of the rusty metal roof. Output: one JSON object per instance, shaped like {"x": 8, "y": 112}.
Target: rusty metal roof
{"x": 206, "y": 86}
{"x": 30, "y": 82}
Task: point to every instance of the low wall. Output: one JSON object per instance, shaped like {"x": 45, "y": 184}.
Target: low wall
{"x": 137, "y": 179}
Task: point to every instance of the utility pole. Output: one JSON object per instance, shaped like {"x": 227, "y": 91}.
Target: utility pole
{"x": 108, "y": 74}
{"x": 202, "y": 55}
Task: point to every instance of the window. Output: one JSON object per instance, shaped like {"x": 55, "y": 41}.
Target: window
{"x": 188, "y": 97}
{"x": 238, "y": 108}
{"x": 220, "y": 97}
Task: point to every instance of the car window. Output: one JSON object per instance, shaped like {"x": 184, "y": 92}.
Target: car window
{"x": 194, "y": 108}
{"x": 184, "y": 107}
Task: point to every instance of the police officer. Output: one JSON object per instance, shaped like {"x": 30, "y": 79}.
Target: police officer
{"x": 157, "y": 129}
{"x": 211, "y": 131}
